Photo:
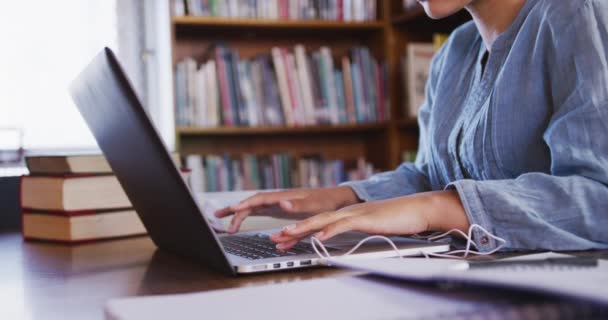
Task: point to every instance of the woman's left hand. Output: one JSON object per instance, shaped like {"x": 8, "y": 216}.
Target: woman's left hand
{"x": 438, "y": 210}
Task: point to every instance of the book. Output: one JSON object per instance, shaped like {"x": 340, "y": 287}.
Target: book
{"x": 80, "y": 226}
{"x": 417, "y": 68}
{"x": 61, "y": 164}
{"x": 72, "y": 193}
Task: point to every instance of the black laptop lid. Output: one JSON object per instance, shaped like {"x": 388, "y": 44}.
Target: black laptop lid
{"x": 142, "y": 164}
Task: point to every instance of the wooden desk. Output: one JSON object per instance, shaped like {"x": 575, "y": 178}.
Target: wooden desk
{"x": 54, "y": 281}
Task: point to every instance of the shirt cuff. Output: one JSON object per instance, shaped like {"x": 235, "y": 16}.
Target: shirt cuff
{"x": 471, "y": 200}
{"x": 359, "y": 189}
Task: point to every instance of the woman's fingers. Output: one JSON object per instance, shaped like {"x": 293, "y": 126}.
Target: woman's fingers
{"x": 235, "y": 223}
{"x": 224, "y": 212}
{"x": 341, "y": 225}
{"x": 258, "y": 200}
{"x": 315, "y": 223}
{"x": 309, "y": 226}
{"x": 353, "y": 223}
{"x": 264, "y": 198}
{"x": 287, "y": 245}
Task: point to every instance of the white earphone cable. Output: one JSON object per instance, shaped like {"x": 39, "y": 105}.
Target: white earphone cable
{"x": 454, "y": 254}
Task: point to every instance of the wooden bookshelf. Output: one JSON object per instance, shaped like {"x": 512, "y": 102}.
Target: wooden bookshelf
{"x": 380, "y": 143}
{"x": 231, "y": 23}
{"x": 318, "y": 129}
{"x": 408, "y": 16}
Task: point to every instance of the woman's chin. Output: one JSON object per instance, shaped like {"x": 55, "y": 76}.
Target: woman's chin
{"x": 442, "y": 9}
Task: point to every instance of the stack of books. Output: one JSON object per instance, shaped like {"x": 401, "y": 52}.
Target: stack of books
{"x": 344, "y": 10}
{"x": 283, "y": 88}
{"x": 75, "y": 198}
{"x": 213, "y": 173}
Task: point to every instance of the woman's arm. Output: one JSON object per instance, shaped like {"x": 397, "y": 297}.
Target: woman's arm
{"x": 436, "y": 210}
{"x": 408, "y": 178}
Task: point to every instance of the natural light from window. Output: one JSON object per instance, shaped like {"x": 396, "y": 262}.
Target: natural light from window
{"x": 44, "y": 46}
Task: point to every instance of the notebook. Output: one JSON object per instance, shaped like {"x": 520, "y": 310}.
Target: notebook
{"x": 344, "y": 298}
{"x": 582, "y": 282}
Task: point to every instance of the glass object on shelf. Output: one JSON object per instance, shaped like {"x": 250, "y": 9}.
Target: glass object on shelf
{"x": 11, "y": 152}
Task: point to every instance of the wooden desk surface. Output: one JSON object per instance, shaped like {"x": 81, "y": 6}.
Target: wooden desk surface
{"x": 55, "y": 281}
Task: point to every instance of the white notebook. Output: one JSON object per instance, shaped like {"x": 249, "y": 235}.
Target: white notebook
{"x": 590, "y": 283}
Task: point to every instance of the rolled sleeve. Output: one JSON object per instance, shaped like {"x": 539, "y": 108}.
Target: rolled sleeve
{"x": 405, "y": 180}
{"x": 474, "y": 208}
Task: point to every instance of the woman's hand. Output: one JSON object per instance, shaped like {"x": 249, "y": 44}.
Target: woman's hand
{"x": 439, "y": 210}
{"x": 291, "y": 204}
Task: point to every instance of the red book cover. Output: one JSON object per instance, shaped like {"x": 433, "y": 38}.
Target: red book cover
{"x": 283, "y": 9}
{"x": 340, "y": 8}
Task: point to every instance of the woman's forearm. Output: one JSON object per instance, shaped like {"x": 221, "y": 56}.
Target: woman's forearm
{"x": 444, "y": 211}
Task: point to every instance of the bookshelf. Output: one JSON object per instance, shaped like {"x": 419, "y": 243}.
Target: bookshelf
{"x": 381, "y": 143}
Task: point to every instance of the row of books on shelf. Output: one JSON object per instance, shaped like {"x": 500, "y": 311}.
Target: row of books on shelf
{"x": 334, "y": 10}
{"x": 213, "y": 173}
{"x": 283, "y": 87}
{"x": 75, "y": 198}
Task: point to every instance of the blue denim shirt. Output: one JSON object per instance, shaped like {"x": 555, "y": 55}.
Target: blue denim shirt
{"x": 525, "y": 142}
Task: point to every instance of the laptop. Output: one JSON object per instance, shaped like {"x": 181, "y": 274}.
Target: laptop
{"x": 163, "y": 200}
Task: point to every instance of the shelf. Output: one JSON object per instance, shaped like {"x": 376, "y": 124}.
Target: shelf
{"x": 236, "y": 131}
{"x": 410, "y": 123}
{"x": 227, "y": 23}
{"x": 409, "y": 16}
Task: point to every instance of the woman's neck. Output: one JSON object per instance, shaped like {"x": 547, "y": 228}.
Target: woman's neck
{"x": 493, "y": 17}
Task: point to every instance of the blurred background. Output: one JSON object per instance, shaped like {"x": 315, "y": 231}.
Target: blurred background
{"x": 44, "y": 45}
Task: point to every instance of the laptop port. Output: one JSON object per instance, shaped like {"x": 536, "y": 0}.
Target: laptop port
{"x": 290, "y": 264}
{"x": 276, "y": 265}
{"x": 305, "y": 262}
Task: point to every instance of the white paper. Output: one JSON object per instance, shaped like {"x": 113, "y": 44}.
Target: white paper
{"x": 587, "y": 283}
{"x": 334, "y": 298}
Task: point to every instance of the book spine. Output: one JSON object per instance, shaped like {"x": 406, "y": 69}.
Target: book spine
{"x": 348, "y": 90}
{"x": 239, "y": 111}
{"x": 305, "y": 81}
{"x": 328, "y": 74}
{"x": 292, "y": 84}
{"x": 226, "y": 99}
{"x": 357, "y": 89}
{"x": 339, "y": 85}
{"x": 281, "y": 75}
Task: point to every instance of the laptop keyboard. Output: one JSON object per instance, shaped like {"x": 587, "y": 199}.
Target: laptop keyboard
{"x": 259, "y": 246}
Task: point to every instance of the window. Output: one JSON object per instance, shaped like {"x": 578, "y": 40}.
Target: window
{"x": 44, "y": 46}
{"x": 46, "y": 43}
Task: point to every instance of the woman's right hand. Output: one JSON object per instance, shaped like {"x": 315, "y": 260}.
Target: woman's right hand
{"x": 290, "y": 204}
